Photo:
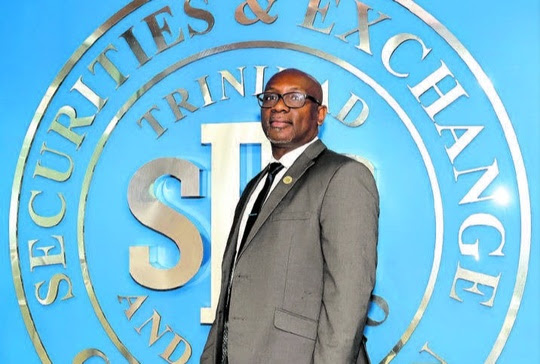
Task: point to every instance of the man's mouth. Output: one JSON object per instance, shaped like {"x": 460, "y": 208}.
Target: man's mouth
{"x": 279, "y": 123}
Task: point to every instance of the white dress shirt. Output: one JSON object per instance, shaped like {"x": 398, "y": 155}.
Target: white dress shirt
{"x": 287, "y": 160}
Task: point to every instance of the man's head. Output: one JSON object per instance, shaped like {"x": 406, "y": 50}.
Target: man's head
{"x": 287, "y": 127}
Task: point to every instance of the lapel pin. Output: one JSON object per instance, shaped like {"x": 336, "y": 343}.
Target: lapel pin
{"x": 287, "y": 180}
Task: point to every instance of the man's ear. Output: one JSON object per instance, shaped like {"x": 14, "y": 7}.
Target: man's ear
{"x": 321, "y": 114}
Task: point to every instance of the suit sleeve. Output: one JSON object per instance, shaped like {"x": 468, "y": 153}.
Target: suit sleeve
{"x": 349, "y": 229}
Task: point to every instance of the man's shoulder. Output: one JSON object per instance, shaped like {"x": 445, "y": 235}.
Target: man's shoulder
{"x": 346, "y": 170}
{"x": 331, "y": 159}
{"x": 336, "y": 157}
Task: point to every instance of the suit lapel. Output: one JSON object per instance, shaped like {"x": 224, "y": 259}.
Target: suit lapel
{"x": 295, "y": 172}
{"x": 230, "y": 249}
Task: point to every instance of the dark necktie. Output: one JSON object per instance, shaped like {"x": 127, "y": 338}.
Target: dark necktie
{"x": 273, "y": 170}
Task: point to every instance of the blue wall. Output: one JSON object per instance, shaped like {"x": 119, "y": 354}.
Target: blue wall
{"x": 38, "y": 39}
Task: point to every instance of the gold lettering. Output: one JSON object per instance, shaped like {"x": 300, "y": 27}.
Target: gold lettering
{"x": 363, "y": 27}
{"x": 133, "y": 306}
{"x": 312, "y": 11}
{"x": 427, "y": 349}
{"x": 88, "y": 93}
{"x": 150, "y": 119}
{"x": 237, "y": 85}
{"x": 460, "y": 142}
{"x": 157, "y": 30}
{"x": 86, "y": 354}
{"x": 74, "y": 122}
{"x": 175, "y": 107}
{"x": 109, "y": 67}
{"x": 480, "y": 220}
{"x": 393, "y": 44}
{"x": 480, "y": 186}
{"x": 46, "y": 221}
{"x": 155, "y": 335}
{"x": 445, "y": 99}
{"x": 52, "y": 292}
{"x": 46, "y": 258}
{"x": 148, "y": 210}
{"x": 51, "y": 173}
{"x": 201, "y": 14}
{"x": 205, "y": 91}
{"x": 154, "y": 331}
{"x": 169, "y": 350}
{"x": 475, "y": 278}
{"x": 260, "y": 13}
{"x": 346, "y": 109}
{"x": 135, "y": 46}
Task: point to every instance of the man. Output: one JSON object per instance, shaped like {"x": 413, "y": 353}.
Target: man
{"x": 299, "y": 265}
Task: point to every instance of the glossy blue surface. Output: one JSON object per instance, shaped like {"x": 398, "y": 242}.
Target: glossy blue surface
{"x": 38, "y": 39}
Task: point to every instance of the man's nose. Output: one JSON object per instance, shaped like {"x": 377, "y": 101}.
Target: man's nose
{"x": 280, "y": 106}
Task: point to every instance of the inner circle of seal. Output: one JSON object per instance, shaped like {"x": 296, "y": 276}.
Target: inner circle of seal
{"x": 438, "y": 207}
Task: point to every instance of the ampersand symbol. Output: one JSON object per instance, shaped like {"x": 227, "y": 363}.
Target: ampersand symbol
{"x": 260, "y": 14}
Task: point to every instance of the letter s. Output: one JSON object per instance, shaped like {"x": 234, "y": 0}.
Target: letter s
{"x": 154, "y": 214}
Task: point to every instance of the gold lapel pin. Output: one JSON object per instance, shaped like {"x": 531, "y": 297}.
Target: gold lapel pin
{"x": 287, "y": 180}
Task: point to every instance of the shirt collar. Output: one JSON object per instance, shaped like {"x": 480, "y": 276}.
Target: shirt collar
{"x": 290, "y": 157}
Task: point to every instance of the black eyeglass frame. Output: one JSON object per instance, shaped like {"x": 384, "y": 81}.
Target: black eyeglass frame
{"x": 281, "y": 96}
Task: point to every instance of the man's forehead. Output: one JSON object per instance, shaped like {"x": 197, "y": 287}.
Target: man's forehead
{"x": 291, "y": 80}
{"x": 284, "y": 86}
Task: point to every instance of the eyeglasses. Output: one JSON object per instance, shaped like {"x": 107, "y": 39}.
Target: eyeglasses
{"x": 293, "y": 99}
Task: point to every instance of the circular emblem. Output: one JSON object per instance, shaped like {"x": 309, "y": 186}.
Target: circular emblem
{"x": 128, "y": 177}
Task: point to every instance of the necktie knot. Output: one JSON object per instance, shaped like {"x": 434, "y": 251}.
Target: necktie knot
{"x": 274, "y": 168}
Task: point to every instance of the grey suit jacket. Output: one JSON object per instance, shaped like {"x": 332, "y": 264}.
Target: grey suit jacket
{"x": 304, "y": 277}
